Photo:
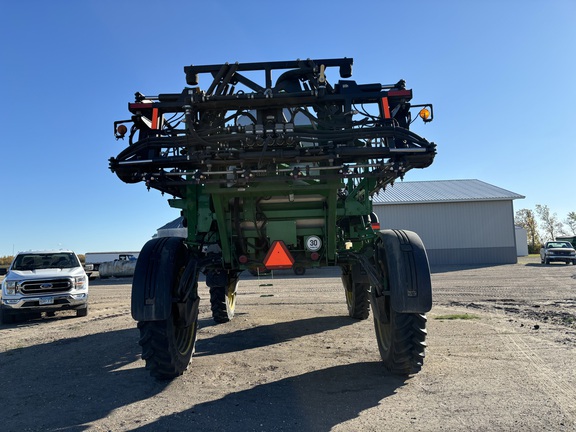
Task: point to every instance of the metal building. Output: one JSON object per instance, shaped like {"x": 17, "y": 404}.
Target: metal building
{"x": 174, "y": 228}
{"x": 459, "y": 221}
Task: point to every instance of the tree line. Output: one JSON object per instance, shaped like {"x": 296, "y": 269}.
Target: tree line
{"x": 542, "y": 225}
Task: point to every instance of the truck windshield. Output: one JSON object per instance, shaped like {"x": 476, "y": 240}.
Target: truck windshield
{"x": 559, "y": 245}
{"x": 35, "y": 261}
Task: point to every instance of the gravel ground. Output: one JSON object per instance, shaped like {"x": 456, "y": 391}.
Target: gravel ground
{"x": 501, "y": 346}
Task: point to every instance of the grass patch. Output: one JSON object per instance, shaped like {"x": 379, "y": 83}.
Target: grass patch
{"x": 457, "y": 316}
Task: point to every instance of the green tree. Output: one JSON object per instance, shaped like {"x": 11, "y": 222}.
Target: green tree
{"x": 526, "y": 219}
{"x": 571, "y": 222}
{"x": 550, "y": 222}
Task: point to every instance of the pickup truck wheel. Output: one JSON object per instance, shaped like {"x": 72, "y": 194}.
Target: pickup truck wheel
{"x": 82, "y": 312}
{"x": 357, "y": 299}
{"x": 168, "y": 344}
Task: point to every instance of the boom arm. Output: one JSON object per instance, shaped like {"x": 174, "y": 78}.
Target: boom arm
{"x": 239, "y": 132}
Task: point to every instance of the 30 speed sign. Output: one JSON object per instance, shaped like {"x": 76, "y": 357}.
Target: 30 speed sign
{"x": 313, "y": 243}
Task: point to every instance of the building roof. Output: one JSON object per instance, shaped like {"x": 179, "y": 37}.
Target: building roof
{"x": 443, "y": 191}
{"x": 176, "y": 223}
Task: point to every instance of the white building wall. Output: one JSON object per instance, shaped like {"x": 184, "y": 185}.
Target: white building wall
{"x": 473, "y": 224}
{"x": 472, "y": 232}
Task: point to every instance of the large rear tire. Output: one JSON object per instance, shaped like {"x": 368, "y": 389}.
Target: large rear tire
{"x": 401, "y": 337}
{"x": 168, "y": 345}
{"x": 401, "y": 341}
{"x": 357, "y": 299}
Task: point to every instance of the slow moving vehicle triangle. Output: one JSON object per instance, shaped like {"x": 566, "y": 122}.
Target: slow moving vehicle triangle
{"x": 278, "y": 257}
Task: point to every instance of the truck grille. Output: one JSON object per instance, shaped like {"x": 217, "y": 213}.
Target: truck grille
{"x": 45, "y": 286}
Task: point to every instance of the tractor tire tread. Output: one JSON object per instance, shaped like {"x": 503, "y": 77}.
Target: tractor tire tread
{"x": 408, "y": 344}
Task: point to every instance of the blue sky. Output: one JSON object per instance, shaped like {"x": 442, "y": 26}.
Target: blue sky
{"x": 501, "y": 76}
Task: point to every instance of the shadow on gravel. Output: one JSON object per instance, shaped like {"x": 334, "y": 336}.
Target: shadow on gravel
{"x": 315, "y": 401}
{"x": 266, "y": 335}
{"x": 69, "y": 383}
{"x": 46, "y": 390}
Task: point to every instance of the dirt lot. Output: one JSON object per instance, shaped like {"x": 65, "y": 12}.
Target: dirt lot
{"x": 292, "y": 360}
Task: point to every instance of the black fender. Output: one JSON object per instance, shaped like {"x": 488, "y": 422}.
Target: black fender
{"x": 155, "y": 276}
{"x": 407, "y": 270}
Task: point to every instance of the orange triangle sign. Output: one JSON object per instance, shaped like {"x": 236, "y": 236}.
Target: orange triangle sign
{"x": 278, "y": 257}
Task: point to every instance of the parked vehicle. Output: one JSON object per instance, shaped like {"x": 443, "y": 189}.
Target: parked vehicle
{"x": 44, "y": 281}
{"x": 560, "y": 251}
{"x": 92, "y": 260}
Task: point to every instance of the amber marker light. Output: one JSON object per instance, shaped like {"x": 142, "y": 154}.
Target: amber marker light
{"x": 424, "y": 114}
{"x": 121, "y": 131}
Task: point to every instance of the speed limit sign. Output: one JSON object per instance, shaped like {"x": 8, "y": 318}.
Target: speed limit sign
{"x": 313, "y": 243}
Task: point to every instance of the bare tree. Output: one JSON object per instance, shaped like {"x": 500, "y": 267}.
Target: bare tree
{"x": 571, "y": 222}
{"x": 526, "y": 219}
{"x": 550, "y": 223}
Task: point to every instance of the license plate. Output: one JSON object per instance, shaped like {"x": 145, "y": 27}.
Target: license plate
{"x": 47, "y": 300}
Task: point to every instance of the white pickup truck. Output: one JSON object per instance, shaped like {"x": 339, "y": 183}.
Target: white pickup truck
{"x": 44, "y": 281}
{"x": 558, "y": 250}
